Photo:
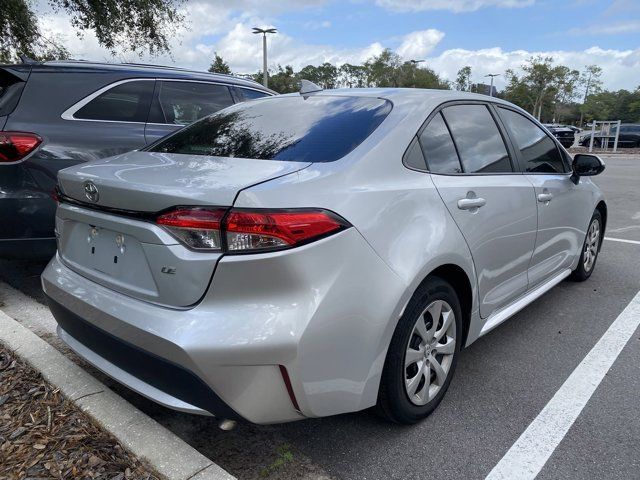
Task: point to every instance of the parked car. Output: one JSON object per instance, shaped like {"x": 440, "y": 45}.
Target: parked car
{"x": 565, "y": 135}
{"x": 629, "y": 136}
{"x": 57, "y": 114}
{"x": 313, "y": 254}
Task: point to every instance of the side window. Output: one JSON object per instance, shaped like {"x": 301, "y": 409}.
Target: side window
{"x": 127, "y": 102}
{"x": 438, "y": 147}
{"x": 539, "y": 152}
{"x": 249, "y": 94}
{"x": 181, "y": 103}
{"x": 480, "y": 145}
{"x": 413, "y": 157}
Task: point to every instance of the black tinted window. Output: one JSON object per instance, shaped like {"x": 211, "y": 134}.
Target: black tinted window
{"x": 413, "y": 157}
{"x": 181, "y": 103}
{"x": 539, "y": 152}
{"x": 248, "y": 94}
{"x": 127, "y": 102}
{"x": 305, "y": 129}
{"x": 478, "y": 139}
{"x": 438, "y": 147}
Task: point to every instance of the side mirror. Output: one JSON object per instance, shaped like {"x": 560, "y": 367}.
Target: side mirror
{"x": 586, "y": 165}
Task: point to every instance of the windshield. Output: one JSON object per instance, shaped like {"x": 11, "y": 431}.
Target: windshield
{"x": 294, "y": 128}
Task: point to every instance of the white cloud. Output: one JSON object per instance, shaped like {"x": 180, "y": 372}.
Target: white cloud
{"x": 619, "y": 67}
{"x": 609, "y": 28}
{"x": 417, "y": 45}
{"x": 452, "y": 5}
{"x": 215, "y": 28}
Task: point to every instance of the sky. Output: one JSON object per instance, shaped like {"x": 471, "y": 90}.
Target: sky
{"x": 489, "y": 35}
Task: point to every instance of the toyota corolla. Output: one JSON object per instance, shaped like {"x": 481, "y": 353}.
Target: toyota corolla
{"x": 317, "y": 253}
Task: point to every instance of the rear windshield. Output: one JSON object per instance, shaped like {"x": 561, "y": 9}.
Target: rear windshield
{"x": 296, "y": 128}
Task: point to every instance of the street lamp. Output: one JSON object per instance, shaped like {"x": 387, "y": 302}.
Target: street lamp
{"x": 491, "y": 87}
{"x": 415, "y": 62}
{"x": 264, "y": 32}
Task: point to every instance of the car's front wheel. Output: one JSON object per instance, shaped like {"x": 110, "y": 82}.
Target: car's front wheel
{"x": 422, "y": 355}
{"x": 590, "y": 249}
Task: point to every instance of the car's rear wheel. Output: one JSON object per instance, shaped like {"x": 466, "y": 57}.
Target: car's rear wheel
{"x": 422, "y": 355}
{"x": 590, "y": 249}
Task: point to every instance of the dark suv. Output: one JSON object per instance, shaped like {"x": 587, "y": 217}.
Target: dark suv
{"x": 629, "y": 137}
{"x": 57, "y": 114}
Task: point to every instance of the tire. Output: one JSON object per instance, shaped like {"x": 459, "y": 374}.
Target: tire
{"x": 596, "y": 143}
{"x": 590, "y": 249}
{"x": 395, "y": 403}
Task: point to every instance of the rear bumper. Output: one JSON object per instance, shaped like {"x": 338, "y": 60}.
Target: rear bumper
{"x": 152, "y": 376}
{"x": 324, "y": 311}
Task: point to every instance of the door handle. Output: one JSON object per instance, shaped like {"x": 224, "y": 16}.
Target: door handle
{"x": 544, "y": 197}
{"x": 471, "y": 203}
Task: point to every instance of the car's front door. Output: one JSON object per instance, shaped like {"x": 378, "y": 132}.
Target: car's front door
{"x": 563, "y": 213}
{"x": 493, "y": 205}
{"x": 177, "y": 103}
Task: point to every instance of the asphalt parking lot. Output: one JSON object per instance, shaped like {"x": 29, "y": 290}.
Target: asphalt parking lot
{"x": 502, "y": 383}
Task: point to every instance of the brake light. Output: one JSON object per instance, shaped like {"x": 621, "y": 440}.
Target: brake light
{"x": 197, "y": 228}
{"x": 14, "y": 146}
{"x": 254, "y": 230}
{"x": 249, "y": 231}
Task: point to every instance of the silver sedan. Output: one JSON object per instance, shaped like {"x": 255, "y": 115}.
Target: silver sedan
{"x": 317, "y": 253}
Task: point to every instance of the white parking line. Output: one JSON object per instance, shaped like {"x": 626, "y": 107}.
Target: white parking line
{"x": 623, "y": 240}
{"x": 528, "y": 455}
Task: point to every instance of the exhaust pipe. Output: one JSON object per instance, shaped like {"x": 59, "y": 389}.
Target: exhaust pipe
{"x": 227, "y": 424}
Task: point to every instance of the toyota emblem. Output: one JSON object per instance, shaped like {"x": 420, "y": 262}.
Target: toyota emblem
{"x": 91, "y": 191}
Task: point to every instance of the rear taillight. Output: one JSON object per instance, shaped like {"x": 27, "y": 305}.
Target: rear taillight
{"x": 249, "y": 231}
{"x": 197, "y": 228}
{"x": 14, "y": 146}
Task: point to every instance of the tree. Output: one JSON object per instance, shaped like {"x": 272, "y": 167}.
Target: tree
{"x": 135, "y": 25}
{"x": 284, "y": 80}
{"x": 352, "y": 76}
{"x": 325, "y": 75}
{"x": 219, "y": 65}
{"x": 590, "y": 78}
{"x": 463, "y": 80}
{"x": 384, "y": 70}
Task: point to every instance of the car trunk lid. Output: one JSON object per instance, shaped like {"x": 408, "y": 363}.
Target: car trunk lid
{"x": 150, "y": 182}
{"x": 112, "y": 238}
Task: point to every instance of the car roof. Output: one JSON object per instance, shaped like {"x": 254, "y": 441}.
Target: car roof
{"x": 142, "y": 70}
{"x": 408, "y": 99}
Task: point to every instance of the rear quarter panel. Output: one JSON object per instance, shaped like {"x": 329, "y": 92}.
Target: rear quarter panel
{"x": 399, "y": 214}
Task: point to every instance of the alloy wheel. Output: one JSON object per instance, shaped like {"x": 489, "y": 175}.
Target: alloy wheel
{"x": 591, "y": 244}
{"x": 429, "y": 353}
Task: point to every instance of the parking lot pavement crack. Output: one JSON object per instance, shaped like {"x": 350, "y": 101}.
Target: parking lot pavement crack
{"x": 87, "y": 395}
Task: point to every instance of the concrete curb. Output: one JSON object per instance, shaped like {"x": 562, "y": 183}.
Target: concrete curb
{"x": 170, "y": 456}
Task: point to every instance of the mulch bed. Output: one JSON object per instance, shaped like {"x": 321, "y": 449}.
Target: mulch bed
{"x": 45, "y": 436}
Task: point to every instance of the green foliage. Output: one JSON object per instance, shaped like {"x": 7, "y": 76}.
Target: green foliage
{"x": 134, "y": 25}
{"x": 219, "y": 65}
{"x": 284, "y": 456}
{"x": 621, "y": 105}
{"x": 463, "y": 79}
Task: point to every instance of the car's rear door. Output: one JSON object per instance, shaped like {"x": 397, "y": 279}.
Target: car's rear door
{"x": 177, "y": 103}
{"x": 563, "y": 210}
{"x": 493, "y": 205}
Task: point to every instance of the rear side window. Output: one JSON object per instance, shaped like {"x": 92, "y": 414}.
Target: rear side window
{"x": 413, "y": 157}
{"x": 10, "y": 90}
{"x": 127, "y": 102}
{"x": 295, "y": 128}
{"x": 539, "y": 152}
{"x": 182, "y": 103}
{"x": 475, "y": 133}
{"x": 249, "y": 94}
{"x": 438, "y": 147}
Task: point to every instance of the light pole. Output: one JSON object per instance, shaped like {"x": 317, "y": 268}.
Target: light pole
{"x": 264, "y": 32}
{"x": 413, "y": 72}
{"x": 491, "y": 87}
